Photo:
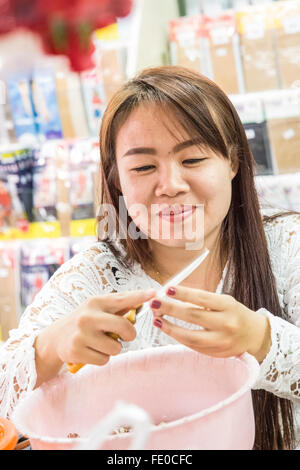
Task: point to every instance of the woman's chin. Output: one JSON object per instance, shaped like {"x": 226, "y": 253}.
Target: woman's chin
{"x": 182, "y": 243}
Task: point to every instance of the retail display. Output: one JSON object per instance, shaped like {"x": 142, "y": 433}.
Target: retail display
{"x": 259, "y": 44}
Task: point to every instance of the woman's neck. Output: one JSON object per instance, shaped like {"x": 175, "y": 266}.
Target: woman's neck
{"x": 168, "y": 261}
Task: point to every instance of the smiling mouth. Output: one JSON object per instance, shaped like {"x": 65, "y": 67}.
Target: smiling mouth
{"x": 177, "y": 214}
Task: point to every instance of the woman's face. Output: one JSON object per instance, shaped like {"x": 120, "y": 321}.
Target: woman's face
{"x": 175, "y": 192}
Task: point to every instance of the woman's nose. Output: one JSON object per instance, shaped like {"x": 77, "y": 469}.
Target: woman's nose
{"x": 171, "y": 181}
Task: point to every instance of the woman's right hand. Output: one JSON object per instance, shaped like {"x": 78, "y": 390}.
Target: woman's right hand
{"x": 81, "y": 336}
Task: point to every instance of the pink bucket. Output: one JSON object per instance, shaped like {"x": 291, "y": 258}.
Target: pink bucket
{"x": 193, "y": 401}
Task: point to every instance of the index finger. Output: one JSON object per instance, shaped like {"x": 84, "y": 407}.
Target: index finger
{"x": 202, "y": 298}
{"x": 120, "y": 302}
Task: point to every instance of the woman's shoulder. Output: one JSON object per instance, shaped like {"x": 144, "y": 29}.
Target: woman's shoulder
{"x": 100, "y": 255}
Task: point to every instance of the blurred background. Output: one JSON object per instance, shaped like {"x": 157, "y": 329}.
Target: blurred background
{"x": 59, "y": 66}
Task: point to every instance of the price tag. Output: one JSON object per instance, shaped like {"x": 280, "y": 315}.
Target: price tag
{"x": 186, "y": 39}
{"x": 219, "y": 36}
{"x": 291, "y": 25}
{"x": 255, "y": 30}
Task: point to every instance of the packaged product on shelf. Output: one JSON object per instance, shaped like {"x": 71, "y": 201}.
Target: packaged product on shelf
{"x": 82, "y": 169}
{"x": 21, "y": 106}
{"x": 251, "y": 112}
{"x": 16, "y": 175}
{"x": 6, "y": 212}
{"x": 46, "y": 108}
{"x": 112, "y": 70}
{"x": 94, "y": 99}
{"x": 7, "y": 129}
{"x": 39, "y": 259}
{"x": 110, "y": 57}
{"x": 220, "y": 42}
{"x": 78, "y": 114}
{"x": 44, "y": 183}
{"x": 282, "y": 110}
{"x": 10, "y": 306}
{"x": 185, "y": 45}
{"x": 255, "y": 28}
{"x": 61, "y": 80}
{"x": 63, "y": 183}
{"x": 287, "y": 34}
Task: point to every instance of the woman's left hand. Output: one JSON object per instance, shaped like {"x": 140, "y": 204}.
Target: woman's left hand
{"x": 229, "y": 328}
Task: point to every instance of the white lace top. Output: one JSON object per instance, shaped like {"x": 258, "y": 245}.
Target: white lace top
{"x": 96, "y": 270}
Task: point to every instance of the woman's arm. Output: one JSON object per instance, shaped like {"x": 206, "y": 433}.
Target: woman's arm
{"x": 280, "y": 371}
{"x": 70, "y": 286}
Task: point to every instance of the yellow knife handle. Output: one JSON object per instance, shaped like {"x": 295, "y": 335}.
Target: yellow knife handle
{"x": 131, "y": 316}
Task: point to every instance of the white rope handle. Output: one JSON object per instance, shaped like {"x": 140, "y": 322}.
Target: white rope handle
{"x": 132, "y": 415}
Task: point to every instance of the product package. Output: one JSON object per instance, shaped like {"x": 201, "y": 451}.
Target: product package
{"x": 63, "y": 183}
{"x": 10, "y": 306}
{"x": 61, "y": 82}
{"x": 110, "y": 57}
{"x": 77, "y": 109}
{"x": 256, "y": 31}
{"x": 7, "y": 129}
{"x": 251, "y": 112}
{"x": 94, "y": 99}
{"x": 44, "y": 183}
{"x": 82, "y": 169}
{"x": 16, "y": 165}
{"x": 220, "y": 42}
{"x": 282, "y": 110}
{"x": 185, "y": 45}
{"x": 112, "y": 69}
{"x": 287, "y": 36}
{"x": 21, "y": 106}
{"x": 39, "y": 259}
{"x": 46, "y": 108}
{"x": 6, "y": 209}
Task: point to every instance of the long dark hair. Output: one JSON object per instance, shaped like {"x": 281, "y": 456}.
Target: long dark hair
{"x": 204, "y": 111}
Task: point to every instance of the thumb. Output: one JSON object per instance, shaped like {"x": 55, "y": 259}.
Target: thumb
{"x": 119, "y": 303}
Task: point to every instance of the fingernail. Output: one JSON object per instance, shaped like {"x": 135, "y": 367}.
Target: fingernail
{"x": 171, "y": 291}
{"x": 157, "y": 322}
{"x": 155, "y": 304}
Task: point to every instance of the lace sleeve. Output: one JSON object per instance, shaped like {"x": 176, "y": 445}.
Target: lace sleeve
{"x": 85, "y": 275}
{"x": 280, "y": 371}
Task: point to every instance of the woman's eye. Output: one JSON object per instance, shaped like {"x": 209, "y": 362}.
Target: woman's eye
{"x": 143, "y": 168}
{"x": 194, "y": 160}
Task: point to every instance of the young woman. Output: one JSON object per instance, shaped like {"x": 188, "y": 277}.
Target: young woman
{"x": 172, "y": 145}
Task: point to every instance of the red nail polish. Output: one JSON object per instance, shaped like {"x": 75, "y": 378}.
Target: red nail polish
{"x": 157, "y": 322}
{"x": 155, "y": 304}
{"x": 171, "y": 291}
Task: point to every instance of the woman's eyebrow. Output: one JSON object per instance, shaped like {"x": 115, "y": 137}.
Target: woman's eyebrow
{"x": 153, "y": 151}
